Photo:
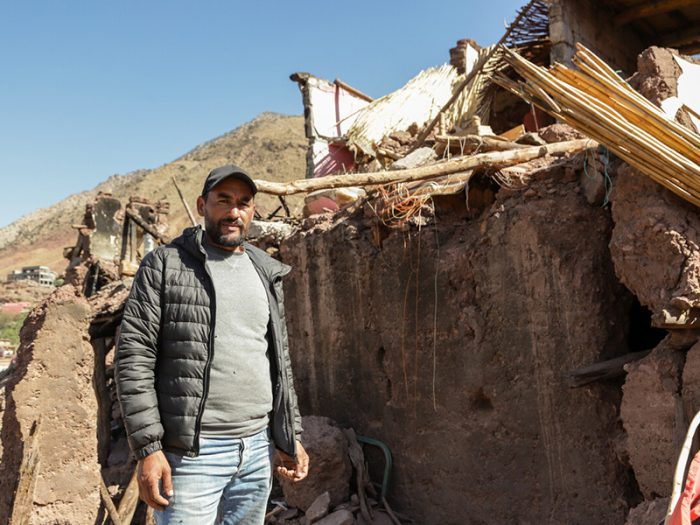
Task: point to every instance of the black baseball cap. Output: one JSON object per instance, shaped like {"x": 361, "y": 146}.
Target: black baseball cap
{"x": 223, "y": 172}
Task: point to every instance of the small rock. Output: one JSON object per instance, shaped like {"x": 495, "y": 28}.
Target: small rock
{"x": 381, "y": 518}
{"x": 279, "y": 230}
{"x": 331, "y": 470}
{"x": 560, "y": 133}
{"x": 420, "y": 157}
{"x": 593, "y": 187}
{"x": 530, "y": 193}
{"x": 319, "y": 508}
{"x": 288, "y": 514}
{"x": 341, "y": 517}
{"x": 532, "y": 139}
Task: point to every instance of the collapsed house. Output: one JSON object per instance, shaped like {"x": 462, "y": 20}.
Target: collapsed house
{"x": 496, "y": 285}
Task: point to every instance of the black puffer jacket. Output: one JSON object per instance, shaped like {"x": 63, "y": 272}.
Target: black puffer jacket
{"x": 165, "y": 349}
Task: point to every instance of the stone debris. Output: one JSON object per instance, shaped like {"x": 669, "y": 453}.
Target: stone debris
{"x": 319, "y": 508}
{"x": 420, "y": 157}
{"x": 339, "y": 517}
{"x": 531, "y": 139}
{"x": 327, "y": 447}
{"x": 648, "y": 512}
{"x": 447, "y": 336}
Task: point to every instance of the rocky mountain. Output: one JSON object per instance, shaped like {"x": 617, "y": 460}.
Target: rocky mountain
{"x": 271, "y": 147}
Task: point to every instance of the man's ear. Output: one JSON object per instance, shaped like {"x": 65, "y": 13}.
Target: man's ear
{"x": 200, "y": 206}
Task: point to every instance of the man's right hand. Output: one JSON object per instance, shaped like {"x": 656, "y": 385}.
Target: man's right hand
{"x": 153, "y": 469}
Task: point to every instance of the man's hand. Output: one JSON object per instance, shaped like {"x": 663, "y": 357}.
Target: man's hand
{"x": 152, "y": 469}
{"x": 290, "y": 469}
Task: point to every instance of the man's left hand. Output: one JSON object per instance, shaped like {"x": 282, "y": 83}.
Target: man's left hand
{"x": 290, "y": 469}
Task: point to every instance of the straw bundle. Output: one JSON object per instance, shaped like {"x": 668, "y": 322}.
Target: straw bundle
{"x": 597, "y": 102}
{"x": 416, "y": 103}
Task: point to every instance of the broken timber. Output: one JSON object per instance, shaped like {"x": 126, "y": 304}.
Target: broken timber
{"x": 603, "y": 370}
{"x": 493, "y": 160}
{"x": 147, "y": 227}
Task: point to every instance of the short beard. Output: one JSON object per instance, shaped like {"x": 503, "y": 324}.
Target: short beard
{"x": 214, "y": 232}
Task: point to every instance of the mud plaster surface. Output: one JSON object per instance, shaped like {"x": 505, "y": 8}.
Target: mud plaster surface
{"x": 54, "y": 379}
{"x": 469, "y": 397}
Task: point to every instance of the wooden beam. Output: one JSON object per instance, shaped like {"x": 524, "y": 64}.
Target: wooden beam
{"x": 147, "y": 227}
{"x": 494, "y": 159}
{"x": 681, "y": 38}
{"x": 354, "y": 91}
{"x": 602, "y": 370}
{"x": 692, "y": 49}
{"x": 647, "y": 9}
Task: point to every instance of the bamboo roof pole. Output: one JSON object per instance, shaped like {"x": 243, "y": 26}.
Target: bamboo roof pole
{"x": 594, "y": 131}
{"x": 653, "y": 171}
{"x": 625, "y": 91}
{"x": 588, "y": 59}
{"x": 539, "y": 74}
{"x": 683, "y": 185}
{"x": 634, "y": 114}
{"x": 494, "y": 159}
{"x": 679, "y": 148}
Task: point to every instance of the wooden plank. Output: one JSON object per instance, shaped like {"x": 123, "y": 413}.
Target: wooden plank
{"x": 147, "y": 227}
{"x": 514, "y": 133}
{"x": 648, "y": 9}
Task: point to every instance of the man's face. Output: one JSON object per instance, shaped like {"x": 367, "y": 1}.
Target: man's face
{"x": 227, "y": 211}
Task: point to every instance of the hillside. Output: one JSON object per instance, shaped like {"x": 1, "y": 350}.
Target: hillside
{"x": 271, "y": 147}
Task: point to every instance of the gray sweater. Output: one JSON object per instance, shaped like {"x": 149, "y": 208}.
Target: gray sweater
{"x": 240, "y": 389}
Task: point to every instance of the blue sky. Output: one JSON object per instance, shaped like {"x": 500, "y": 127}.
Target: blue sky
{"x": 92, "y": 89}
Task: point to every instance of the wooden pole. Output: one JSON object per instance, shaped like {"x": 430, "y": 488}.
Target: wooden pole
{"x": 109, "y": 504}
{"x": 494, "y": 159}
{"x": 147, "y": 227}
{"x": 184, "y": 202}
{"x": 130, "y": 499}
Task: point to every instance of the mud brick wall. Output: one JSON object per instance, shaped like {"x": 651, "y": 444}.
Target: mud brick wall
{"x": 592, "y": 24}
{"x": 470, "y": 397}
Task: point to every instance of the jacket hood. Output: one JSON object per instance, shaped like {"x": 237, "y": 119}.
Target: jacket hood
{"x": 191, "y": 241}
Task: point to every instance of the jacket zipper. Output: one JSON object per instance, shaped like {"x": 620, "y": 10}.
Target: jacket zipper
{"x": 207, "y": 366}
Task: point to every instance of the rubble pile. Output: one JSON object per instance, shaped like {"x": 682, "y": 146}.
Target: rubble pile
{"x": 513, "y": 320}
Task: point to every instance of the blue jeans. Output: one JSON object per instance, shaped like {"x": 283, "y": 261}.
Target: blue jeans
{"x": 231, "y": 478}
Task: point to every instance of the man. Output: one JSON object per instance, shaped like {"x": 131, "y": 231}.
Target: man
{"x": 203, "y": 371}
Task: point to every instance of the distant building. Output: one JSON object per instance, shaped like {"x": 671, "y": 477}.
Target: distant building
{"x": 40, "y": 274}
